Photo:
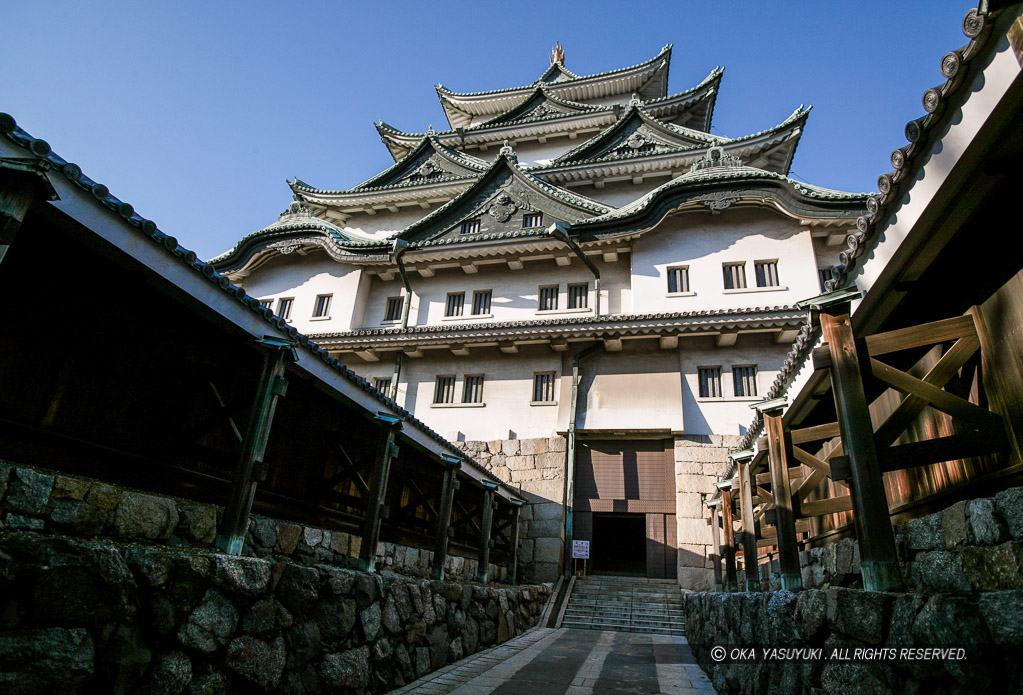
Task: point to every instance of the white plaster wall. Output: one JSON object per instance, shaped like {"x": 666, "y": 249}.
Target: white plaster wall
{"x": 515, "y": 292}
{"x": 303, "y": 278}
{"x": 619, "y": 193}
{"x": 385, "y": 223}
{"x": 728, "y": 414}
{"x": 704, "y": 242}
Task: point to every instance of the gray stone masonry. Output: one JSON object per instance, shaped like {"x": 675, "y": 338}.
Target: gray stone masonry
{"x": 537, "y": 468}
{"x": 700, "y": 461}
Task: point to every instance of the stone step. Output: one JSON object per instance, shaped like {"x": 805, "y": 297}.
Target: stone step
{"x": 626, "y": 605}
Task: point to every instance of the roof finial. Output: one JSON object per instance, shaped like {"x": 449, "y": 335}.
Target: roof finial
{"x": 557, "y": 54}
{"x": 634, "y": 101}
{"x": 430, "y": 130}
{"x": 507, "y": 151}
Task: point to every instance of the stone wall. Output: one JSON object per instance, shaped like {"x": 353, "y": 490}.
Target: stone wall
{"x": 537, "y": 468}
{"x": 989, "y": 627}
{"x": 82, "y": 615}
{"x": 37, "y": 500}
{"x": 700, "y": 461}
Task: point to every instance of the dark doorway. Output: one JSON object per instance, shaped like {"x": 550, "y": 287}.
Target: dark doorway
{"x": 619, "y": 544}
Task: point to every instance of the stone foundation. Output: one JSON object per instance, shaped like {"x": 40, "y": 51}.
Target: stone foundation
{"x": 537, "y": 467}
{"x": 97, "y": 616}
{"x": 700, "y": 461}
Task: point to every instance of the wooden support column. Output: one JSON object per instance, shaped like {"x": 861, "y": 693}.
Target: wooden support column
{"x": 749, "y": 526}
{"x": 879, "y": 563}
{"x": 731, "y": 580}
{"x": 376, "y": 509}
{"x": 443, "y": 533}
{"x": 250, "y": 469}
{"x": 485, "y": 542}
{"x": 715, "y": 533}
{"x": 22, "y": 181}
{"x": 514, "y": 573}
{"x": 779, "y": 456}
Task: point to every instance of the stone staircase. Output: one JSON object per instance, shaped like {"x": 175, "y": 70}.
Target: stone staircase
{"x": 626, "y": 604}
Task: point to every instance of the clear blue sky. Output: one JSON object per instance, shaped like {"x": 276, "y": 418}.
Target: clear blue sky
{"x": 196, "y": 113}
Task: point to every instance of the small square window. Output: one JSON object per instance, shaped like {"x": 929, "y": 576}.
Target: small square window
{"x": 767, "y": 273}
{"x": 577, "y": 296}
{"x": 824, "y": 274}
{"x": 266, "y": 302}
{"x": 548, "y": 298}
{"x": 394, "y": 307}
{"x": 533, "y": 219}
{"x": 745, "y": 381}
{"x": 445, "y": 390}
{"x": 710, "y": 382}
{"x": 321, "y": 308}
{"x": 471, "y": 226}
{"x": 481, "y": 302}
{"x": 453, "y": 307}
{"x": 678, "y": 279}
{"x": 735, "y": 276}
{"x": 473, "y": 389}
{"x": 284, "y": 305}
{"x": 382, "y": 384}
{"x": 543, "y": 387}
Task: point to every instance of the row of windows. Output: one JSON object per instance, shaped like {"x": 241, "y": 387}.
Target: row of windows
{"x": 321, "y": 306}
{"x": 744, "y": 379}
{"x": 529, "y": 221}
{"x": 472, "y": 388}
{"x": 454, "y": 304}
{"x": 734, "y": 276}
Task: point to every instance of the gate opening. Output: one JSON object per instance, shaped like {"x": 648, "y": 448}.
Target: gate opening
{"x": 619, "y": 544}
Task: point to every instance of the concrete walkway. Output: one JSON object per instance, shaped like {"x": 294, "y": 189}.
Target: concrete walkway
{"x": 546, "y": 661}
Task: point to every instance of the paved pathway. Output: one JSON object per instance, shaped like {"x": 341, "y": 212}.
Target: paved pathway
{"x": 546, "y": 661}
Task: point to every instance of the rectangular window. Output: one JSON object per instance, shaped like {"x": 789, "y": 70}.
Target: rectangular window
{"x": 266, "y": 302}
{"x": 548, "y": 300}
{"x": 471, "y": 226}
{"x": 284, "y": 307}
{"x": 710, "y": 382}
{"x": 767, "y": 273}
{"x": 481, "y": 302}
{"x": 533, "y": 219}
{"x": 321, "y": 309}
{"x": 543, "y": 387}
{"x": 445, "y": 391}
{"x": 456, "y": 300}
{"x": 394, "y": 307}
{"x": 577, "y": 295}
{"x": 383, "y": 385}
{"x": 735, "y": 276}
{"x": 745, "y": 381}
{"x": 678, "y": 280}
{"x": 473, "y": 391}
{"x": 824, "y": 274}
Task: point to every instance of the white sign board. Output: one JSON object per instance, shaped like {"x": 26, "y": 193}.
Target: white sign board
{"x": 580, "y": 550}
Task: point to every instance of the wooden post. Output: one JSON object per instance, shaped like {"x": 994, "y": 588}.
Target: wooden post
{"x": 488, "y": 518}
{"x": 779, "y": 456}
{"x": 514, "y": 578}
{"x": 715, "y": 556}
{"x": 250, "y": 468}
{"x": 731, "y": 581}
{"x": 879, "y": 563}
{"x": 22, "y": 182}
{"x": 447, "y": 499}
{"x": 376, "y": 509}
{"x": 749, "y": 528}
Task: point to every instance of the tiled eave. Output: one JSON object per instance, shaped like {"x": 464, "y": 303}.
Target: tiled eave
{"x": 353, "y": 202}
{"x": 707, "y": 322}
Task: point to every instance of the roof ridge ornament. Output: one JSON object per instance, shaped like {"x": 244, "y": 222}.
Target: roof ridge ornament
{"x": 634, "y": 101}
{"x": 557, "y": 54}
{"x": 430, "y": 130}
{"x": 715, "y": 157}
{"x": 296, "y": 209}
{"x": 508, "y": 151}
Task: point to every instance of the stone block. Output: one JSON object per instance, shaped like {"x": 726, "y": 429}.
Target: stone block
{"x": 688, "y": 468}
{"x": 716, "y": 470}
{"x": 1009, "y": 504}
{"x": 692, "y": 555}
{"x": 939, "y": 571}
{"x": 349, "y": 670}
{"x": 288, "y": 536}
{"x": 65, "y": 488}
{"x": 547, "y": 550}
{"x": 992, "y": 568}
{"x": 49, "y": 660}
{"x": 78, "y": 518}
{"x": 924, "y": 533}
{"x": 28, "y": 491}
{"x": 811, "y": 614}
{"x": 557, "y": 444}
{"x": 510, "y": 447}
{"x": 103, "y": 496}
{"x": 146, "y": 517}
{"x": 503, "y": 473}
{"x": 339, "y": 542}
{"x": 552, "y": 474}
{"x": 520, "y": 463}
{"x": 545, "y": 528}
{"x": 859, "y": 614}
{"x": 693, "y": 532}
{"x": 258, "y": 662}
{"x": 695, "y": 579}
{"x": 701, "y": 454}
{"x": 171, "y": 673}
{"x": 553, "y": 459}
{"x": 526, "y": 475}
{"x": 1003, "y": 613}
{"x": 546, "y": 571}
{"x": 495, "y": 446}
{"x": 243, "y": 576}
{"x": 544, "y": 490}
{"x": 983, "y": 526}
{"x": 695, "y": 483}
{"x": 198, "y": 523}
{"x": 547, "y": 511}
{"x": 210, "y": 625}
{"x": 690, "y": 504}
{"x": 953, "y": 525}
{"x": 533, "y": 446}
{"x": 953, "y": 620}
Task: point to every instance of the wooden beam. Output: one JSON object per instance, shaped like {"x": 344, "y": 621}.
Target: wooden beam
{"x": 376, "y": 507}
{"x": 514, "y": 550}
{"x": 482, "y": 573}
{"x": 728, "y": 526}
{"x": 441, "y": 535}
{"x": 779, "y": 454}
{"x": 613, "y": 344}
{"x": 668, "y": 342}
{"x": 749, "y": 529}
{"x": 917, "y": 336}
{"x": 726, "y": 338}
{"x": 816, "y": 433}
{"x": 508, "y": 347}
{"x": 879, "y": 563}
{"x": 935, "y": 396}
{"x": 832, "y": 505}
{"x": 715, "y": 556}
{"x": 795, "y": 473}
